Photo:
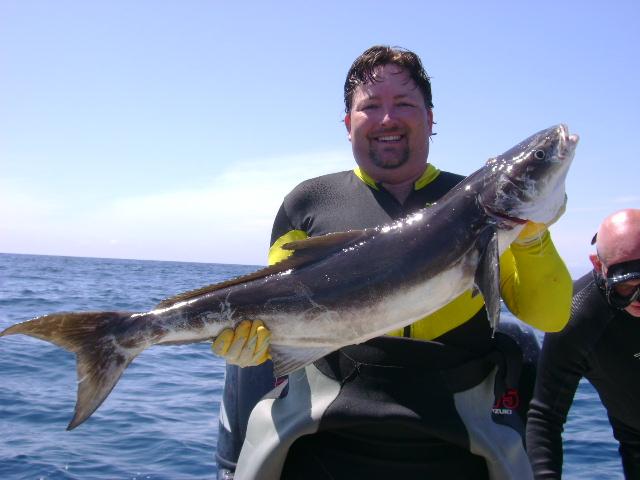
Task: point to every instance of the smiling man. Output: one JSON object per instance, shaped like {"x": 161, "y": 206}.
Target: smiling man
{"x": 601, "y": 343}
{"x": 389, "y": 127}
{"x": 405, "y": 405}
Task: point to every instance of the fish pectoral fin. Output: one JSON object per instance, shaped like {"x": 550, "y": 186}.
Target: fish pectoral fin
{"x": 487, "y": 276}
{"x": 288, "y": 359}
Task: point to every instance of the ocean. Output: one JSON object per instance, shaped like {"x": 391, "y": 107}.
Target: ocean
{"x": 161, "y": 420}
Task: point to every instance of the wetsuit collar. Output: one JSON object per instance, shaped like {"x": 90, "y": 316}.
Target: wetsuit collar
{"x": 428, "y": 176}
{"x": 364, "y": 176}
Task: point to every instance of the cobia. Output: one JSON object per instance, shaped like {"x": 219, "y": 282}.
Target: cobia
{"x": 342, "y": 288}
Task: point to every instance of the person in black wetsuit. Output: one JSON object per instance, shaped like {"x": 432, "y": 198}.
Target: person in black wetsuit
{"x": 417, "y": 402}
{"x": 601, "y": 343}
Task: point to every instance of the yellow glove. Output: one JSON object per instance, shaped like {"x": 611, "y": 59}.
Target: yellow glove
{"x": 245, "y": 346}
{"x": 530, "y": 234}
{"x": 533, "y": 232}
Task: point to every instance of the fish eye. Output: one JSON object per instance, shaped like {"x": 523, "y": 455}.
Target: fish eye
{"x": 539, "y": 154}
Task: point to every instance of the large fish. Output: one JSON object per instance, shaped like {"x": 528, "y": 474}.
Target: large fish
{"x": 343, "y": 288}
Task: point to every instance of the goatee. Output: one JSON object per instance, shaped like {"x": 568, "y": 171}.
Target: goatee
{"x": 396, "y": 162}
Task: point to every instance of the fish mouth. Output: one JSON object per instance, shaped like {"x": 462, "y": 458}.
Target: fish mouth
{"x": 504, "y": 219}
{"x": 568, "y": 142}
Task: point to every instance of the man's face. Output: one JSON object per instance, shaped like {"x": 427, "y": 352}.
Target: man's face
{"x": 627, "y": 288}
{"x": 389, "y": 127}
{"x": 623, "y": 289}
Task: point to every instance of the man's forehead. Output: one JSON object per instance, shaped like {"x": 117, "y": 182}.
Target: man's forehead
{"x": 382, "y": 79}
{"x": 390, "y": 71}
{"x": 618, "y": 254}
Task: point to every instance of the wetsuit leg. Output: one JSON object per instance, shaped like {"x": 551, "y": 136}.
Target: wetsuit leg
{"x": 332, "y": 456}
{"x": 243, "y": 388}
{"x": 629, "y": 449}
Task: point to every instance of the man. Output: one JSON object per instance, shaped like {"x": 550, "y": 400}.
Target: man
{"x": 602, "y": 343}
{"x": 404, "y": 405}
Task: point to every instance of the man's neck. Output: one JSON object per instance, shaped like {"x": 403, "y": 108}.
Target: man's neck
{"x": 400, "y": 191}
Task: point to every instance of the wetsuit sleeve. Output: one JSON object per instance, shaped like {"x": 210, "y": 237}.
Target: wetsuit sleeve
{"x": 536, "y": 285}
{"x": 563, "y": 361}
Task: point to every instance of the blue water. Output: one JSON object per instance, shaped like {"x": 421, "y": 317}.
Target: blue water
{"x": 161, "y": 420}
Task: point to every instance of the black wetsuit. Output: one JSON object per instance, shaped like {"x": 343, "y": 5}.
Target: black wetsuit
{"x": 601, "y": 344}
{"x": 395, "y": 448}
{"x": 406, "y": 381}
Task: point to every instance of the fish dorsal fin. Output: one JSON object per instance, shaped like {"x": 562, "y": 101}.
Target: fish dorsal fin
{"x": 323, "y": 245}
{"x": 305, "y": 251}
{"x": 279, "y": 267}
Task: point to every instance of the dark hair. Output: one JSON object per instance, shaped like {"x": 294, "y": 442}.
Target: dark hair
{"x": 363, "y": 68}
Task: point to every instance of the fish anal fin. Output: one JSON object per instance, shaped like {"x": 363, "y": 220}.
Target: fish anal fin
{"x": 487, "y": 276}
{"x": 288, "y": 359}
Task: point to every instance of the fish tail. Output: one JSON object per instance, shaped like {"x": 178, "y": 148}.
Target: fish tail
{"x": 100, "y": 356}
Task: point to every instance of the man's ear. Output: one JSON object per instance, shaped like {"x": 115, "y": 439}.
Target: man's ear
{"x": 347, "y": 123}
{"x": 429, "y": 122}
{"x": 595, "y": 261}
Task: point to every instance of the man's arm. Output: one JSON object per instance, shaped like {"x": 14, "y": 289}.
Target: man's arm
{"x": 535, "y": 284}
{"x": 561, "y": 365}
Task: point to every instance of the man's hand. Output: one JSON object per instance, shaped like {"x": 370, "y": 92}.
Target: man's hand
{"x": 245, "y": 346}
{"x": 533, "y": 232}
{"x": 530, "y": 234}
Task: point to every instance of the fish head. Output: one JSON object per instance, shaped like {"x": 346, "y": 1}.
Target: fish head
{"x": 527, "y": 182}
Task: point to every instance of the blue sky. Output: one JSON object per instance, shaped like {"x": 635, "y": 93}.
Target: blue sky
{"x": 172, "y": 130}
